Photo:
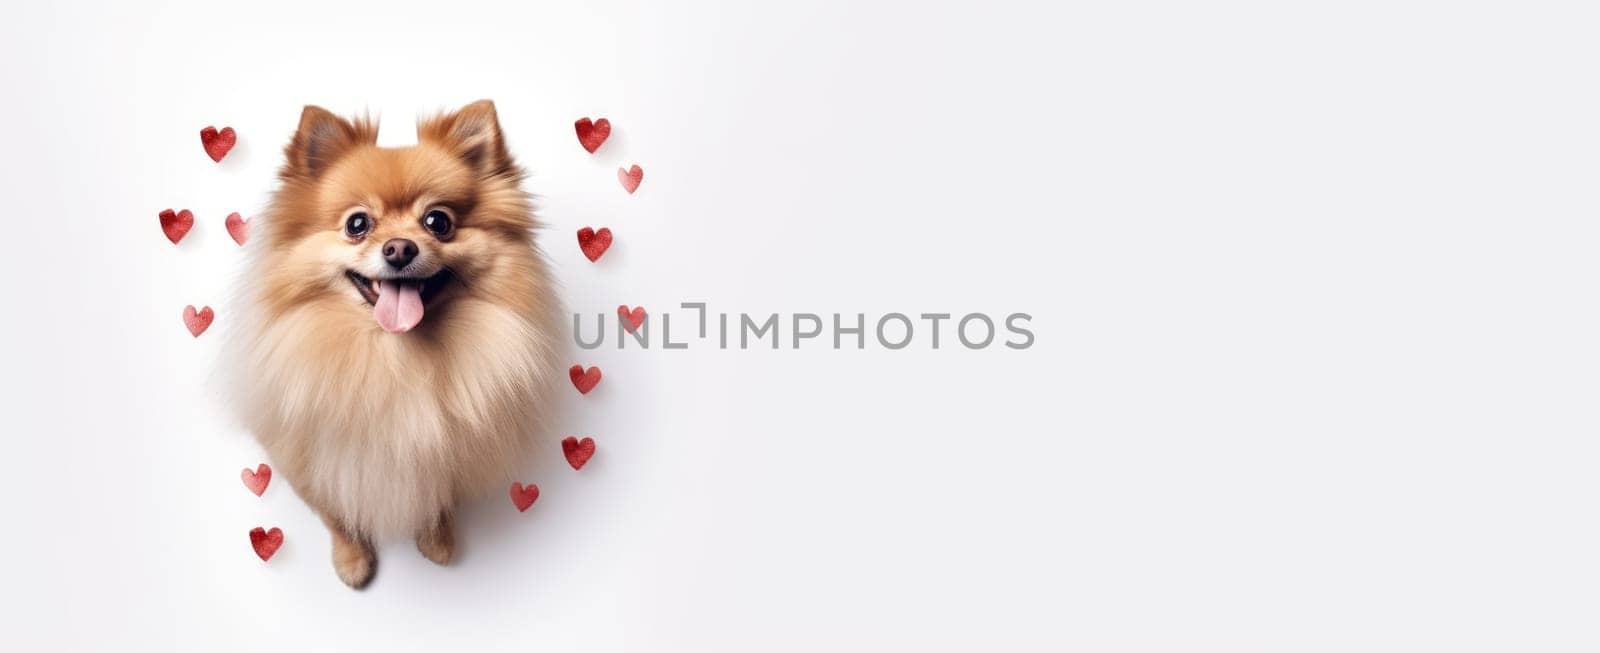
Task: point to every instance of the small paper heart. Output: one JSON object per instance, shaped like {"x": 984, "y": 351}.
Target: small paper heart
{"x": 217, "y": 143}
{"x": 594, "y": 243}
{"x": 176, "y": 224}
{"x": 522, "y": 497}
{"x": 630, "y": 178}
{"x": 592, "y": 134}
{"x": 198, "y": 322}
{"x": 578, "y": 452}
{"x": 266, "y": 542}
{"x": 238, "y": 227}
{"x": 631, "y": 319}
{"x": 584, "y": 380}
{"x": 256, "y": 481}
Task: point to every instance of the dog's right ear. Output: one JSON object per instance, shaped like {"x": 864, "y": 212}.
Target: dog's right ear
{"x": 322, "y": 139}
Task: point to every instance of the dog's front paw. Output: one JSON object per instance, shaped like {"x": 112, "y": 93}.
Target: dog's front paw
{"x": 438, "y": 543}
{"x": 355, "y": 562}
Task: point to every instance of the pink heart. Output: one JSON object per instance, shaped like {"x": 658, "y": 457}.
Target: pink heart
{"x": 238, "y": 227}
{"x": 630, "y": 178}
{"x": 198, "y": 322}
{"x": 256, "y": 481}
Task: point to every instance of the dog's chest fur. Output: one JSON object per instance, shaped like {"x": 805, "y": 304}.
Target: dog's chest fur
{"x": 384, "y": 432}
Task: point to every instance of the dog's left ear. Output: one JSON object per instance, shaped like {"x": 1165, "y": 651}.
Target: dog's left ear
{"x": 473, "y": 133}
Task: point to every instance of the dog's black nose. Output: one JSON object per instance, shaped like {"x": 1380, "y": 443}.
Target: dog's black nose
{"x": 399, "y": 252}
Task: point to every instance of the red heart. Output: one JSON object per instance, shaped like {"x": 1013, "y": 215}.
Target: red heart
{"x": 218, "y": 143}
{"x": 176, "y": 225}
{"x": 256, "y": 481}
{"x": 523, "y": 497}
{"x": 578, "y": 451}
{"x": 266, "y": 542}
{"x": 594, "y": 243}
{"x": 630, "y": 178}
{"x": 591, "y": 135}
{"x": 238, "y": 227}
{"x": 584, "y": 380}
{"x": 197, "y": 322}
{"x": 631, "y": 319}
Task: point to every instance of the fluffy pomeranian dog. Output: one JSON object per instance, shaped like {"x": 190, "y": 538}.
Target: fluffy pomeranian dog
{"x": 397, "y": 328}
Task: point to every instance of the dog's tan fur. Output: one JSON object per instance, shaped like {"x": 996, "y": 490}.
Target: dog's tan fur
{"x": 384, "y": 433}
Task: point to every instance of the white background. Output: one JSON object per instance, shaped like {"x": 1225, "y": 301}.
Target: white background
{"x": 1312, "y": 285}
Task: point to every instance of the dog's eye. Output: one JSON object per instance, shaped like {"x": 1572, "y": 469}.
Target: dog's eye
{"x": 357, "y": 225}
{"x": 438, "y": 223}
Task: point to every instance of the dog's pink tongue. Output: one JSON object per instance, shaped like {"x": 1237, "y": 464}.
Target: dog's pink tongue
{"x": 399, "y": 306}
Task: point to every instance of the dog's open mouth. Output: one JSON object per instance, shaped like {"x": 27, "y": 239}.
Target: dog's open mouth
{"x": 398, "y": 304}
